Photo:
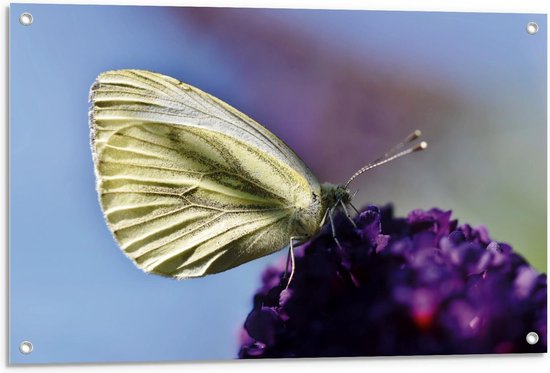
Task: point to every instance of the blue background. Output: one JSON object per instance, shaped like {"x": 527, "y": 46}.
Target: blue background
{"x": 475, "y": 83}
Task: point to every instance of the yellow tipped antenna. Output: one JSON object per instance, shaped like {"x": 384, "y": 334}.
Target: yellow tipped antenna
{"x": 391, "y": 154}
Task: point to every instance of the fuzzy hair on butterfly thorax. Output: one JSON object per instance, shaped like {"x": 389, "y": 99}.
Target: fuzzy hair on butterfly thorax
{"x": 332, "y": 195}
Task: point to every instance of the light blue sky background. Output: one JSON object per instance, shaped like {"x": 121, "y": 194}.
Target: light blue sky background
{"x": 72, "y": 292}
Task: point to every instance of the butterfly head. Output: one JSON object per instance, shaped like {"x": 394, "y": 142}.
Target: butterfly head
{"x": 333, "y": 195}
{"x": 342, "y": 194}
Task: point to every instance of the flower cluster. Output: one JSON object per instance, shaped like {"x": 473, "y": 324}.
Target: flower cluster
{"x": 398, "y": 286}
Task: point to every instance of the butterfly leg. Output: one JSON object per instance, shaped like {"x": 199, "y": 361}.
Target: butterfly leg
{"x": 331, "y": 218}
{"x": 345, "y": 208}
{"x": 287, "y": 262}
{"x": 292, "y": 259}
{"x": 324, "y": 218}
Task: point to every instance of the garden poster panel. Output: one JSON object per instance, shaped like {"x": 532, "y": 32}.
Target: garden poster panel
{"x": 200, "y": 184}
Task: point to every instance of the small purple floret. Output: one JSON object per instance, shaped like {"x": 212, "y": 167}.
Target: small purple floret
{"x": 398, "y": 286}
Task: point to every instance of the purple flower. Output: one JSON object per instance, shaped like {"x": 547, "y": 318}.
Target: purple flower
{"x": 420, "y": 285}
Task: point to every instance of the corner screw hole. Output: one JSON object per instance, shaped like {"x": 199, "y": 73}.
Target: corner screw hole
{"x": 532, "y": 338}
{"x": 25, "y": 19}
{"x": 532, "y": 28}
{"x": 25, "y": 347}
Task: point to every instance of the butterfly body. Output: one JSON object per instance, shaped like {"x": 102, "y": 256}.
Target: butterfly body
{"x": 188, "y": 185}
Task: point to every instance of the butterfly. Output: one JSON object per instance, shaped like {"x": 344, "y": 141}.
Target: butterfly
{"x": 189, "y": 186}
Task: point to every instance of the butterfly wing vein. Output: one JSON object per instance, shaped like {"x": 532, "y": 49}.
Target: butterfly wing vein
{"x": 188, "y": 185}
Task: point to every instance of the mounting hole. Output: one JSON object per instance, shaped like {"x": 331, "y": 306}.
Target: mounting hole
{"x": 25, "y": 347}
{"x": 532, "y": 338}
{"x": 25, "y": 19}
{"x": 532, "y": 28}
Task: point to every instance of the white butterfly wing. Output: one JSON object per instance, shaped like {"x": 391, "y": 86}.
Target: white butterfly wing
{"x": 190, "y": 186}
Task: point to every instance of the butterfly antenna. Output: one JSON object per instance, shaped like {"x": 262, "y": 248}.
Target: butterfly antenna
{"x": 391, "y": 154}
{"x": 407, "y": 140}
